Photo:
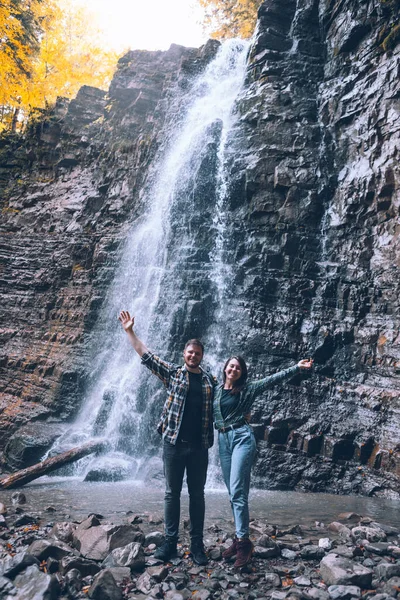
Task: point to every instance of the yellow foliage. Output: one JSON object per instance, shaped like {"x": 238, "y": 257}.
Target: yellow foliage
{"x": 231, "y": 18}
{"x": 68, "y": 56}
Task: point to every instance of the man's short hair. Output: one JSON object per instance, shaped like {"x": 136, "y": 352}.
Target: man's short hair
{"x": 194, "y": 342}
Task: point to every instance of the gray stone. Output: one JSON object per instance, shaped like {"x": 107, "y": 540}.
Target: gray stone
{"x": 73, "y": 582}
{"x": 386, "y": 570}
{"x": 10, "y": 566}
{"x": 344, "y": 592}
{"x": 392, "y": 586}
{"x": 131, "y": 556}
{"x": 345, "y": 551}
{"x": 302, "y": 581}
{"x": 325, "y": 543}
{"x": 85, "y": 567}
{"x": 314, "y": 593}
{"x": 177, "y": 594}
{"x": 262, "y": 552}
{"x": 6, "y": 587}
{"x": 272, "y": 579}
{"x": 215, "y": 553}
{"x": 372, "y": 534}
{"x": 312, "y": 552}
{"x": 144, "y": 583}
{"x": 155, "y": 537}
{"x": 42, "y": 549}
{"x": 97, "y": 542}
{"x": 104, "y": 587}
{"x": 63, "y": 531}
{"x": 289, "y": 554}
{"x": 32, "y": 584}
{"x": 337, "y": 570}
{"x": 337, "y": 527}
{"x": 120, "y": 574}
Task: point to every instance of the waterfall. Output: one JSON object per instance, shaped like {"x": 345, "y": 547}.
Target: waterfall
{"x": 172, "y": 275}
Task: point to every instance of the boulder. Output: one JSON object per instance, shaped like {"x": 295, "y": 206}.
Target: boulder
{"x": 104, "y": 587}
{"x": 337, "y": 570}
{"x": 29, "y": 443}
{"x": 131, "y": 556}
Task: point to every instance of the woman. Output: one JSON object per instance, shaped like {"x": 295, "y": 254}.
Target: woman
{"x": 237, "y": 445}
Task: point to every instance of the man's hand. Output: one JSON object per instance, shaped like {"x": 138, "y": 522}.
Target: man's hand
{"x": 126, "y": 320}
{"x": 305, "y": 364}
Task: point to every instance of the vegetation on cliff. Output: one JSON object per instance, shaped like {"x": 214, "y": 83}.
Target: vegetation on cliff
{"x": 231, "y": 18}
{"x": 47, "y": 49}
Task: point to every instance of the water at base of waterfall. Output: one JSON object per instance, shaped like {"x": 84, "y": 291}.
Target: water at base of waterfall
{"x": 71, "y": 498}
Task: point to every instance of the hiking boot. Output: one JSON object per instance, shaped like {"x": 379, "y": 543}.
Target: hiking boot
{"x": 198, "y": 553}
{"x": 244, "y": 550}
{"x": 231, "y": 551}
{"x": 166, "y": 551}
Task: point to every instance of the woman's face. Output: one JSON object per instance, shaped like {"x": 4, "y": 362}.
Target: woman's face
{"x": 233, "y": 370}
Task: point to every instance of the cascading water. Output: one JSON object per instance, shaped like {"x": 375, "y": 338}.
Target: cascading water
{"x": 172, "y": 273}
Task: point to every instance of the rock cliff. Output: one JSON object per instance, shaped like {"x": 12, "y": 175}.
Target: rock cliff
{"x": 313, "y": 237}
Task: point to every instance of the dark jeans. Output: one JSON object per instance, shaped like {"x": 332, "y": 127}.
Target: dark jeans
{"x": 195, "y": 460}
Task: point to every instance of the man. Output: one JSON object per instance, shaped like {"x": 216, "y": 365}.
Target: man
{"x": 187, "y": 428}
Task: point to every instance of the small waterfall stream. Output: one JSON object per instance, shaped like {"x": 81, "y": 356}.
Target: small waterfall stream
{"x": 172, "y": 274}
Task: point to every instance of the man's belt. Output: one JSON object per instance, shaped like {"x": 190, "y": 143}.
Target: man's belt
{"x": 231, "y": 427}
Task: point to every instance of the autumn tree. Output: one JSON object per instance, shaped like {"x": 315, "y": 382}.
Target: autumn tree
{"x": 19, "y": 44}
{"x": 231, "y": 18}
{"x": 49, "y": 49}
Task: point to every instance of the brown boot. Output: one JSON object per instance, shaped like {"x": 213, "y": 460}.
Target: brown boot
{"x": 244, "y": 550}
{"x": 231, "y": 551}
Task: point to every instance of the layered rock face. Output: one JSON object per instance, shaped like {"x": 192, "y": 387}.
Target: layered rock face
{"x": 316, "y": 203}
{"x": 311, "y": 233}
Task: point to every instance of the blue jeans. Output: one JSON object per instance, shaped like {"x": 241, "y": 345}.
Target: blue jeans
{"x": 237, "y": 449}
{"x": 194, "y": 460}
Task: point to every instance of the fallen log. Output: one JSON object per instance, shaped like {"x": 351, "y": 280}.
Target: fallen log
{"x": 50, "y": 464}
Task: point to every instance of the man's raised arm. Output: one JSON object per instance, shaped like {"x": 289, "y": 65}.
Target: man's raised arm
{"x": 127, "y": 323}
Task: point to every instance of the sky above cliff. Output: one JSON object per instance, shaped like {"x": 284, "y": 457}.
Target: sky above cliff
{"x": 148, "y": 24}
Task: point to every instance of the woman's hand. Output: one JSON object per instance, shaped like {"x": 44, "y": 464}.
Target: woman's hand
{"x": 305, "y": 363}
{"x": 126, "y": 320}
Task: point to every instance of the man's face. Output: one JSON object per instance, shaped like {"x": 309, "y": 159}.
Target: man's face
{"x": 192, "y": 356}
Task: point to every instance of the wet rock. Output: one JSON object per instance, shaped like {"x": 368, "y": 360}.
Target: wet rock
{"x": 380, "y": 548}
{"x": 12, "y": 565}
{"x": 215, "y": 553}
{"x": 43, "y": 549}
{"x": 73, "y": 582}
{"x": 155, "y": 537}
{"x": 84, "y": 566}
{"x": 289, "y": 554}
{"x": 25, "y": 519}
{"x": 144, "y": 583}
{"x": 18, "y": 498}
{"x": 120, "y": 574}
{"x": 392, "y": 586}
{"x": 372, "y": 534}
{"x": 272, "y": 579}
{"x": 337, "y": 527}
{"x": 32, "y": 584}
{"x": 104, "y": 587}
{"x": 96, "y": 542}
{"x": 63, "y": 531}
{"x": 131, "y": 556}
{"x": 315, "y": 593}
{"x": 312, "y": 552}
{"x": 262, "y": 552}
{"x": 7, "y": 590}
{"x": 387, "y": 570}
{"x": 344, "y": 592}
{"x": 337, "y": 570}
{"x": 29, "y": 443}
{"x": 302, "y": 581}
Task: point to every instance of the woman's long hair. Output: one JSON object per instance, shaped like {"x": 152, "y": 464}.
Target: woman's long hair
{"x": 241, "y": 382}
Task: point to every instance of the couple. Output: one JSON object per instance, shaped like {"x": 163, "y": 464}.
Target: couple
{"x": 194, "y": 400}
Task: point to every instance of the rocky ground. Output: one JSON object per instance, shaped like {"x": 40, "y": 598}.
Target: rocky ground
{"x": 353, "y": 557}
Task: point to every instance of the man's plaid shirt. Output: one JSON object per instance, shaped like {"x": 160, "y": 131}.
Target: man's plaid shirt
{"x": 176, "y": 380}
